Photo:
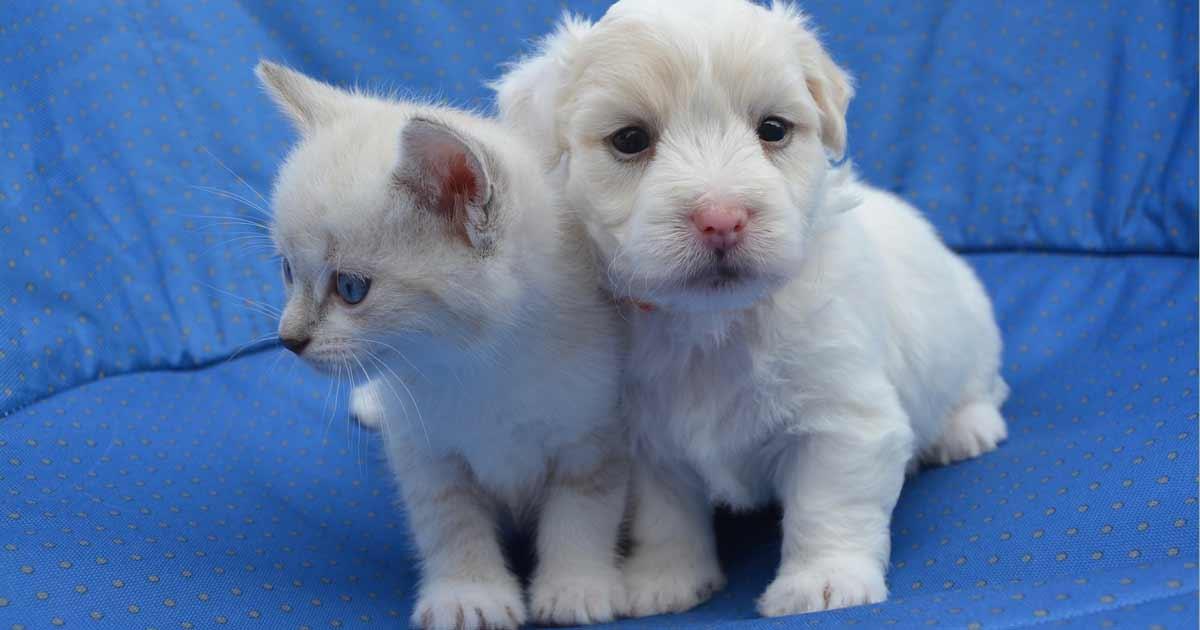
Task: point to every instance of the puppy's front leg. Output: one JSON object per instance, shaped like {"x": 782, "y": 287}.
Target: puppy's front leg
{"x": 577, "y": 580}
{"x": 838, "y": 491}
{"x": 673, "y": 566}
{"x": 465, "y": 584}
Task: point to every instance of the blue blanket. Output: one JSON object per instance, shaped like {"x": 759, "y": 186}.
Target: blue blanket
{"x": 164, "y": 465}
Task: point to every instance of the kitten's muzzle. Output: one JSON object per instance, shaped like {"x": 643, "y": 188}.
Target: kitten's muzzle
{"x": 295, "y": 344}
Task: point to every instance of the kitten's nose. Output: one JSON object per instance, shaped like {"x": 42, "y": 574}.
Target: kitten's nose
{"x": 720, "y": 225}
{"x": 295, "y": 344}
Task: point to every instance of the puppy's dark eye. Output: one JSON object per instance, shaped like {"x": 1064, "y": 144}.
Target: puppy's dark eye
{"x": 630, "y": 140}
{"x": 773, "y": 129}
{"x": 287, "y": 271}
{"x": 352, "y": 288}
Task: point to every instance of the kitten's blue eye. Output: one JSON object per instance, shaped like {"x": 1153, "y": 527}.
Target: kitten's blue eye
{"x": 287, "y": 271}
{"x": 352, "y": 288}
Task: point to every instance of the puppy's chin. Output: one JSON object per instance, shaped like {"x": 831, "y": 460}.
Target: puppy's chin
{"x": 713, "y": 292}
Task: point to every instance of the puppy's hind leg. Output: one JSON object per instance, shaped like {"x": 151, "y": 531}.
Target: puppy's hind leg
{"x": 975, "y": 429}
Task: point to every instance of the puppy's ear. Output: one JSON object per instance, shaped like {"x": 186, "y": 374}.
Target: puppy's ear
{"x": 528, "y": 95}
{"x": 307, "y": 102}
{"x": 831, "y": 87}
{"x": 447, "y": 175}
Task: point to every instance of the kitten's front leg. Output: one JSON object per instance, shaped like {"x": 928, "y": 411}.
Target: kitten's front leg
{"x": 577, "y": 580}
{"x": 838, "y": 491}
{"x": 465, "y": 584}
{"x": 673, "y": 566}
{"x": 366, "y": 405}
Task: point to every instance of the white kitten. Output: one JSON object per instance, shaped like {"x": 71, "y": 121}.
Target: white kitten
{"x": 798, "y": 336}
{"x": 423, "y": 248}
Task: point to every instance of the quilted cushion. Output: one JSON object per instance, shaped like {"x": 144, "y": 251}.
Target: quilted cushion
{"x": 161, "y": 465}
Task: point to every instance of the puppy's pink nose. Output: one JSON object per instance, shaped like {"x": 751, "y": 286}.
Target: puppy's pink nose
{"x": 720, "y": 225}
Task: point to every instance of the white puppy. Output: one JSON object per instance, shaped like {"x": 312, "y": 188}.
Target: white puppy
{"x": 797, "y": 335}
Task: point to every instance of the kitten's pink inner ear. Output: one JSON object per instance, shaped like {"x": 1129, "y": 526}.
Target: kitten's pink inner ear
{"x": 459, "y": 184}
{"x": 444, "y": 175}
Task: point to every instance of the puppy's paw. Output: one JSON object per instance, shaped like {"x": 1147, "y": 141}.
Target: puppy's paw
{"x": 365, "y": 405}
{"x": 824, "y": 585}
{"x": 464, "y": 605}
{"x": 974, "y": 430}
{"x": 668, "y": 583}
{"x": 568, "y": 599}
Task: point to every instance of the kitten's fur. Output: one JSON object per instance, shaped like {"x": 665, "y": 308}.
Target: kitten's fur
{"x": 493, "y": 355}
{"x": 849, "y": 341}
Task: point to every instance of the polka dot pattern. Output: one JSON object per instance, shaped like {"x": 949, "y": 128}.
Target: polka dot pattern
{"x": 241, "y": 491}
{"x": 162, "y": 465}
{"x": 128, "y": 503}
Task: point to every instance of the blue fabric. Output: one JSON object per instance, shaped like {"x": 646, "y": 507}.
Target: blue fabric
{"x": 149, "y": 480}
{"x": 240, "y": 491}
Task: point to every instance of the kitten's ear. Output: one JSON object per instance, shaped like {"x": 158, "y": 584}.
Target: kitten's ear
{"x": 447, "y": 175}
{"x": 308, "y": 102}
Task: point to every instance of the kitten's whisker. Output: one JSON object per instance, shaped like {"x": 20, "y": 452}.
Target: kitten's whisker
{"x": 399, "y": 354}
{"x": 395, "y": 395}
{"x": 260, "y": 309}
{"x": 384, "y": 425}
{"x": 325, "y": 407}
{"x": 228, "y": 219}
{"x": 382, "y": 419}
{"x": 263, "y": 307}
{"x": 231, "y": 196}
{"x": 248, "y": 344}
{"x": 416, "y": 407}
{"x": 337, "y": 393}
{"x": 239, "y": 237}
{"x": 242, "y": 236}
{"x": 337, "y": 390}
{"x": 260, "y": 251}
{"x": 347, "y": 429}
{"x": 235, "y": 175}
{"x": 270, "y": 373}
{"x": 291, "y": 368}
{"x": 221, "y": 225}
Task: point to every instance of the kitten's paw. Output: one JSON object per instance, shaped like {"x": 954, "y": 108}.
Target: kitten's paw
{"x": 974, "y": 430}
{"x": 666, "y": 583}
{"x": 365, "y": 405}
{"x": 824, "y": 585}
{"x": 463, "y": 605}
{"x": 567, "y": 599}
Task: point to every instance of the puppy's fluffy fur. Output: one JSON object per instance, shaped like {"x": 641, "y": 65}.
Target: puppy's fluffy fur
{"x": 835, "y": 346}
{"x": 493, "y": 355}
